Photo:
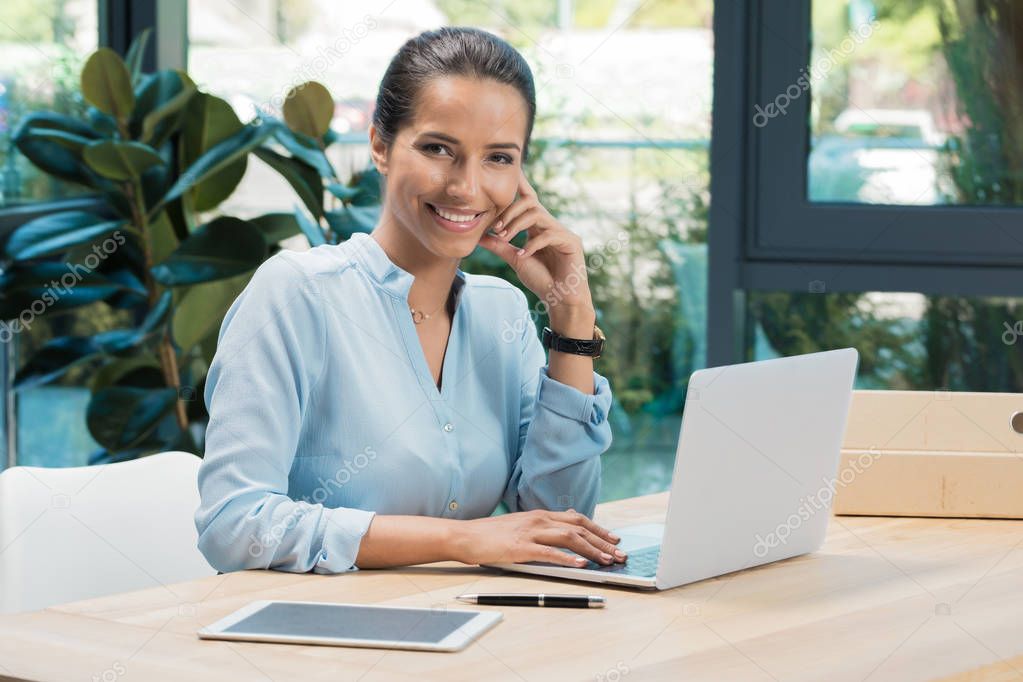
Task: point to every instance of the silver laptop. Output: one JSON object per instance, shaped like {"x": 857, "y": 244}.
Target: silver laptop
{"x": 755, "y": 473}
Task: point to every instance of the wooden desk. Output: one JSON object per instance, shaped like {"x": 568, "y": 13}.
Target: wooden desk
{"x": 885, "y": 599}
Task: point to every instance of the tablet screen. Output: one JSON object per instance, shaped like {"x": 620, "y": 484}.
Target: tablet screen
{"x": 352, "y": 622}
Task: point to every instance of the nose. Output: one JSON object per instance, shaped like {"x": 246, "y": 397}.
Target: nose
{"x": 463, "y": 182}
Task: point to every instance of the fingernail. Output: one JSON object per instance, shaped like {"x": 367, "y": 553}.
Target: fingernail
{"x": 498, "y": 224}
{"x": 605, "y": 556}
{"x": 581, "y": 560}
{"x": 613, "y": 537}
{"x": 620, "y": 554}
{"x": 521, "y": 251}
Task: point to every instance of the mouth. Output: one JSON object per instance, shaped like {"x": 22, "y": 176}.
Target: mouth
{"x": 463, "y": 224}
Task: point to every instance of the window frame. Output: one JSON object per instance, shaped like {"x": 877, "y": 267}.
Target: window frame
{"x": 765, "y": 234}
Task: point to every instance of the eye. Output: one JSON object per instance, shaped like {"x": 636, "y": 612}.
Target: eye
{"x": 431, "y": 145}
{"x": 506, "y": 159}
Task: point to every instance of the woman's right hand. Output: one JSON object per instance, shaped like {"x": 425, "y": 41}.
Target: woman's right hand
{"x": 535, "y": 536}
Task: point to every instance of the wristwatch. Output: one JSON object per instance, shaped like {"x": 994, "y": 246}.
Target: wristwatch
{"x": 563, "y": 344}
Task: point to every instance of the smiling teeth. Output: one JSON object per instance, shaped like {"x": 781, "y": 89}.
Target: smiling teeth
{"x": 453, "y": 217}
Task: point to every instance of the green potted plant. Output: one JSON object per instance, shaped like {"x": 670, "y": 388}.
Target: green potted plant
{"x": 159, "y": 153}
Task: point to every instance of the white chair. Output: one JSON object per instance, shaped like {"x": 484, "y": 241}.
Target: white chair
{"x": 80, "y": 532}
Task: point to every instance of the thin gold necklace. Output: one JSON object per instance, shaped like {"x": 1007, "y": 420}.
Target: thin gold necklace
{"x": 418, "y": 316}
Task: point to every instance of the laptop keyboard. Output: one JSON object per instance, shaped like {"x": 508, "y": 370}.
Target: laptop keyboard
{"x": 642, "y": 563}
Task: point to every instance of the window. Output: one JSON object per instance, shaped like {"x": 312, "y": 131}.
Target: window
{"x": 903, "y": 124}
{"x": 620, "y": 153}
{"x": 906, "y": 341}
{"x": 872, "y": 154}
{"x": 43, "y": 45}
{"x": 916, "y": 107}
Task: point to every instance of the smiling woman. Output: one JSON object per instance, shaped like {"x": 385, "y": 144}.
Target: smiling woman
{"x": 370, "y": 403}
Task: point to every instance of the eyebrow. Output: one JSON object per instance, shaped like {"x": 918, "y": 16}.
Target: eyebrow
{"x": 448, "y": 138}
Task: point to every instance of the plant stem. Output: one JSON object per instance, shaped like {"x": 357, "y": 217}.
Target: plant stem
{"x": 168, "y": 359}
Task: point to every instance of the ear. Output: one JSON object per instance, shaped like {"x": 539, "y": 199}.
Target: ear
{"x": 377, "y": 150}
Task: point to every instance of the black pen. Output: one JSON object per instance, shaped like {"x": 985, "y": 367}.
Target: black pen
{"x": 569, "y": 601}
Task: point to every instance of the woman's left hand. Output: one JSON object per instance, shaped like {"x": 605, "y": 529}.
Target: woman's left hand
{"x": 552, "y": 254}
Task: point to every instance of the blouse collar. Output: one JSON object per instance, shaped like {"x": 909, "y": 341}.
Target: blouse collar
{"x": 375, "y": 261}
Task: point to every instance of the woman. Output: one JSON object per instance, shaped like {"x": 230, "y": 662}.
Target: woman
{"x": 371, "y": 403}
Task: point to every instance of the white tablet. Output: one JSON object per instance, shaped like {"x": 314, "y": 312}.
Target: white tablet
{"x": 385, "y": 627}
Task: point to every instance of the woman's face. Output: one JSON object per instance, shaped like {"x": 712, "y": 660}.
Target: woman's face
{"x": 461, "y": 153}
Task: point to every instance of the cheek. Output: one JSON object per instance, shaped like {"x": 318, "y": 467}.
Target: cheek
{"x": 502, "y": 191}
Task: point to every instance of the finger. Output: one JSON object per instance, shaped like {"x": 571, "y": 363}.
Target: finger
{"x": 501, "y": 248}
{"x": 553, "y": 555}
{"x": 510, "y": 215}
{"x": 529, "y": 219}
{"x": 572, "y": 516}
{"x": 574, "y": 538}
{"x": 525, "y": 189}
{"x": 603, "y": 545}
{"x": 542, "y": 240}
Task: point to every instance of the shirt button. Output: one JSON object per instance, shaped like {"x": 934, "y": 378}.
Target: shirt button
{"x": 449, "y": 427}
{"x": 453, "y": 505}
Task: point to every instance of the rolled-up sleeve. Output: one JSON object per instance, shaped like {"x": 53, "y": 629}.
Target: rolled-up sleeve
{"x": 562, "y": 433}
{"x": 270, "y": 354}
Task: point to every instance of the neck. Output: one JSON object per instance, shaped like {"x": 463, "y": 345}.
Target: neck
{"x": 432, "y": 275}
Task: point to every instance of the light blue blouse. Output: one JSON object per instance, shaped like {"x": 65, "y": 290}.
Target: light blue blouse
{"x": 323, "y": 413}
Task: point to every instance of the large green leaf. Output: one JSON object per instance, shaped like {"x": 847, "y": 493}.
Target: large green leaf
{"x": 209, "y": 121}
{"x": 121, "y": 160}
{"x": 167, "y": 436}
{"x": 369, "y": 183}
{"x": 276, "y": 227}
{"x": 59, "y": 355}
{"x": 162, "y": 238}
{"x": 136, "y": 54}
{"x": 120, "y": 417}
{"x": 56, "y": 233}
{"x": 308, "y": 109}
{"x": 300, "y": 146}
{"x": 165, "y": 113}
{"x": 202, "y": 309}
{"x": 218, "y": 158}
{"x": 43, "y": 138}
{"x": 73, "y": 143}
{"x": 302, "y": 177}
{"x": 311, "y": 229}
{"x": 351, "y": 219}
{"x": 343, "y": 192}
{"x": 156, "y": 318}
{"x": 133, "y": 293}
{"x": 36, "y": 288}
{"x": 114, "y": 372}
{"x": 106, "y": 84}
{"x": 222, "y": 248}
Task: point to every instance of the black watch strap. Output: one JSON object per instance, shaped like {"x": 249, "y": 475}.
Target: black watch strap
{"x": 563, "y": 344}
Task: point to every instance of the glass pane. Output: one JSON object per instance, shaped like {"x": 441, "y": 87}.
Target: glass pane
{"x": 43, "y": 45}
{"x": 916, "y": 102}
{"x": 51, "y": 425}
{"x": 906, "y": 341}
{"x": 619, "y": 154}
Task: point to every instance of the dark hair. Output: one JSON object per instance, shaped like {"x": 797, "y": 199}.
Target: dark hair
{"x": 448, "y": 51}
